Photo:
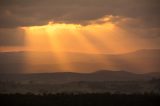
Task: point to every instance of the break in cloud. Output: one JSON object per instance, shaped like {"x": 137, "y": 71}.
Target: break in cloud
{"x": 139, "y": 17}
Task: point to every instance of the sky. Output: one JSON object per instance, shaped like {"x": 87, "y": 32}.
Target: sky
{"x": 99, "y": 24}
{"x": 83, "y": 26}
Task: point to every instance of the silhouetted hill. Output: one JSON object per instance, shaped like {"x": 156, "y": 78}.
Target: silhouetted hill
{"x": 65, "y": 77}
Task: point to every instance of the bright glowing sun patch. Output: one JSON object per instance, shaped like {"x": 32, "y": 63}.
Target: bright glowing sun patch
{"x": 56, "y": 34}
{"x": 59, "y": 38}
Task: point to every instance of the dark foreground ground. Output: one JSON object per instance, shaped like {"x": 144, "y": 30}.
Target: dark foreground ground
{"x": 105, "y": 99}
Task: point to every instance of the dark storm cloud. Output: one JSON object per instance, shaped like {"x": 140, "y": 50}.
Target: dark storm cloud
{"x": 142, "y": 15}
{"x": 14, "y": 13}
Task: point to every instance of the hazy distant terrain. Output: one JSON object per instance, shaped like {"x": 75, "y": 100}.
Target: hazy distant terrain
{"x": 15, "y": 74}
{"x": 141, "y": 61}
{"x": 100, "y": 81}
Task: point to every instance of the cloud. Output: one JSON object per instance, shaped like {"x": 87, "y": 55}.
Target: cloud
{"x": 14, "y": 13}
{"x": 116, "y": 27}
{"x": 140, "y": 18}
{"x": 11, "y": 37}
{"x": 136, "y": 27}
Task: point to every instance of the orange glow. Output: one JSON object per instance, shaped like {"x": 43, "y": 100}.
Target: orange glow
{"x": 59, "y": 38}
{"x": 71, "y": 36}
{"x": 12, "y": 49}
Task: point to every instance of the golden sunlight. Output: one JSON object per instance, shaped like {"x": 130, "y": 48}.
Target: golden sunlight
{"x": 60, "y": 38}
{"x": 65, "y": 37}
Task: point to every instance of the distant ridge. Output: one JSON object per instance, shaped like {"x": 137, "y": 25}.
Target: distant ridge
{"x": 66, "y": 77}
{"x": 146, "y": 51}
{"x": 141, "y": 61}
{"x": 112, "y": 71}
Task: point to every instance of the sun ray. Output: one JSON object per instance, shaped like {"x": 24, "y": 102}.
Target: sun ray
{"x": 60, "y": 38}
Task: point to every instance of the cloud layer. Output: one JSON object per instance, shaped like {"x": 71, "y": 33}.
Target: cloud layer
{"x": 140, "y": 18}
{"x": 38, "y": 12}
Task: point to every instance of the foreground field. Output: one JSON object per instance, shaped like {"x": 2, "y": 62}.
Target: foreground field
{"x": 105, "y": 99}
